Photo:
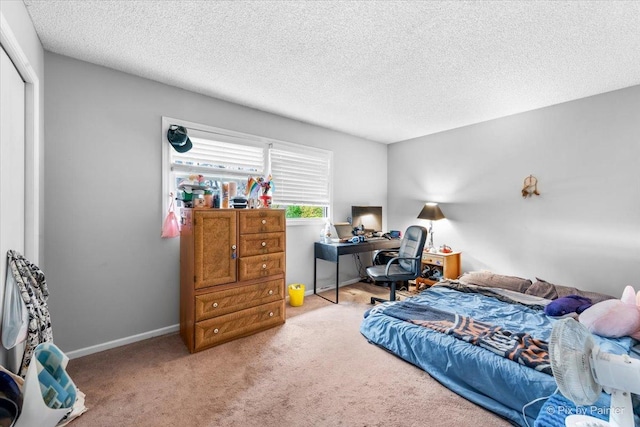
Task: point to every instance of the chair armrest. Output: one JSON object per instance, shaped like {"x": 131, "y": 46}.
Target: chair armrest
{"x": 386, "y": 270}
{"x": 383, "y": 251}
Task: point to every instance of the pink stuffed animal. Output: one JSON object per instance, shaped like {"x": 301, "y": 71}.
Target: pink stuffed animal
{"x": 615, "y": 318}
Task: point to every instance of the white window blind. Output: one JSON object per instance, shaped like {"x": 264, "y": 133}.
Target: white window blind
{"x": 301, "y": 178}
{"x": 220, "y": 154}
{"x": 301, "y": 175}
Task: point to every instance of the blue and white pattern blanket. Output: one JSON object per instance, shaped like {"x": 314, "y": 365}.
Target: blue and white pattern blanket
{"x": 518, "y": 346}
{"x": 482, "y": 376}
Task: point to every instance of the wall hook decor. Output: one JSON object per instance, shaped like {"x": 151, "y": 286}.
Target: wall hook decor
{"x": 530, "y": 187}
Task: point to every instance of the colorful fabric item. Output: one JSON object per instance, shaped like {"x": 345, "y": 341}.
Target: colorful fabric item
{"x": 33, "y": 289}
{"x": 58, "y": 390}
{"x": 170, "y": 227}
{"x": 519, "y": 347}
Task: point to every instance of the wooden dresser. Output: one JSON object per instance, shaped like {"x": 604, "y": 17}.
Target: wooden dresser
{"x": 232, "y": 271}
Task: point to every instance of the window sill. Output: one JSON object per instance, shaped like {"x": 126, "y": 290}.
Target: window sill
{"x": 296, "y": 222}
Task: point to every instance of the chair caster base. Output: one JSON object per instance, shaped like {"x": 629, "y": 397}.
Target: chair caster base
{"x": 374, "y": 300}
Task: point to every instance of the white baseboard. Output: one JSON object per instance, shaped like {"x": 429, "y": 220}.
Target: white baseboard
{"x": 164, "y": 331}
{"x": 122, "y": 341}
{"x": 333, "y": 286}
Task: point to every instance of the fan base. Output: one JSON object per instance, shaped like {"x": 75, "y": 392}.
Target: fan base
{"x": 584, "y": 421}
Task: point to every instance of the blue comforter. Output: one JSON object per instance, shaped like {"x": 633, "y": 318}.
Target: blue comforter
{"x": 485, "y": 378}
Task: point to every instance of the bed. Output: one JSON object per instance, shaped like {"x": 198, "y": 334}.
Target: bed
{"x": 476, "y": 372}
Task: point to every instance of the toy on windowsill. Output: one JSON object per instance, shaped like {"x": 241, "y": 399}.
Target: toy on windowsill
{"x": 196, "y": 179}
{"x": 260, "y": 189}
{"x": 567, "y": 305}
{"x": 615, "y": 318}
{"x": 265, "y": 185}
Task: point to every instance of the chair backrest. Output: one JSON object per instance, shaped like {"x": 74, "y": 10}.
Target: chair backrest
{"x": 411, "y": 246}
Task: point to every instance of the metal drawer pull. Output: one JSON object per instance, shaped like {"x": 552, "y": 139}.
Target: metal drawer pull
{"x": 270, "y": 291}
{"x": 264, "y": 244}
{"x": 215, "y": 331}
{"x": 264, "y": 221}
{"x": 264, "y": 266}
{"x": 215, "y": 304}
{"x": 271, "y": 314}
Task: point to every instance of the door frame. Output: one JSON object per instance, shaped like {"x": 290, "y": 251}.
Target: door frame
{"x": 32, "y": 147}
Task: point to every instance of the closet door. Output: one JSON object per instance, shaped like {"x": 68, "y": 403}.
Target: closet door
{"x": 12, "y": 177}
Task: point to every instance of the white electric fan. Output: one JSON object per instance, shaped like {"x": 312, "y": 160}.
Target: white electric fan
{"x": 582, "y": 371}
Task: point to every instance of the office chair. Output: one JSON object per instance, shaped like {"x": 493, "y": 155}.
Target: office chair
{"x": 406, "y": 266}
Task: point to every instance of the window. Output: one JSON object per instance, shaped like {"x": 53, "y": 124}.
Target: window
{"x": 302, "y": 181}
{"x": 220, "y": 159}
{"x": 212, "y": 154}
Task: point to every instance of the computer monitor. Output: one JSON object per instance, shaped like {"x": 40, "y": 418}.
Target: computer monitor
{"x": 368, "y": 216}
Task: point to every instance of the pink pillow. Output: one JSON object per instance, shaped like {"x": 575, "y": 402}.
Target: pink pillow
{"x": 614, "y": 318}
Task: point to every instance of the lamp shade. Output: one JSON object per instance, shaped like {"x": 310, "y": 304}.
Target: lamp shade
{"x": 431, "y": 211}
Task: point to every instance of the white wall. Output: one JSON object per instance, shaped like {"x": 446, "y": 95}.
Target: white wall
{"x": 584, "y": 229}
{"x": 110, "y": 274}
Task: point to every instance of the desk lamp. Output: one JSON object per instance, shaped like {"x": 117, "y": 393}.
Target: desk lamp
{"x": 432, "y": 212}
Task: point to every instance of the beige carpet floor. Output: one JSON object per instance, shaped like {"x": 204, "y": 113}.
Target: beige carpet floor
{"x": 315, "y": 370}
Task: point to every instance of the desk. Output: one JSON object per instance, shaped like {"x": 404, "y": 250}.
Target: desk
{"x": 331, "y": 252}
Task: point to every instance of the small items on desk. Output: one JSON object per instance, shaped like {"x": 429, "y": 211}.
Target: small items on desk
{"x": 346, "y": 233}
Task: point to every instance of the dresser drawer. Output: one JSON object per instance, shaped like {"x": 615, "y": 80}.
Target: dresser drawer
{"x": 219, "y": 303}
{"x": 432, "y": 259}
{"x": 261, "y": 221}
{"x": 261, "y": 243}
{"x": 254, "y": 267}
{"x": 233, "y": 325}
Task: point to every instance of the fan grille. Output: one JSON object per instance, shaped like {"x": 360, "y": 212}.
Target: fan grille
{"x": 570, "y": 349}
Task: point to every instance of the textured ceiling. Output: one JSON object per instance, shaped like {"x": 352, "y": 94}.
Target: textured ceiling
{"x": 383, "y": 70}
